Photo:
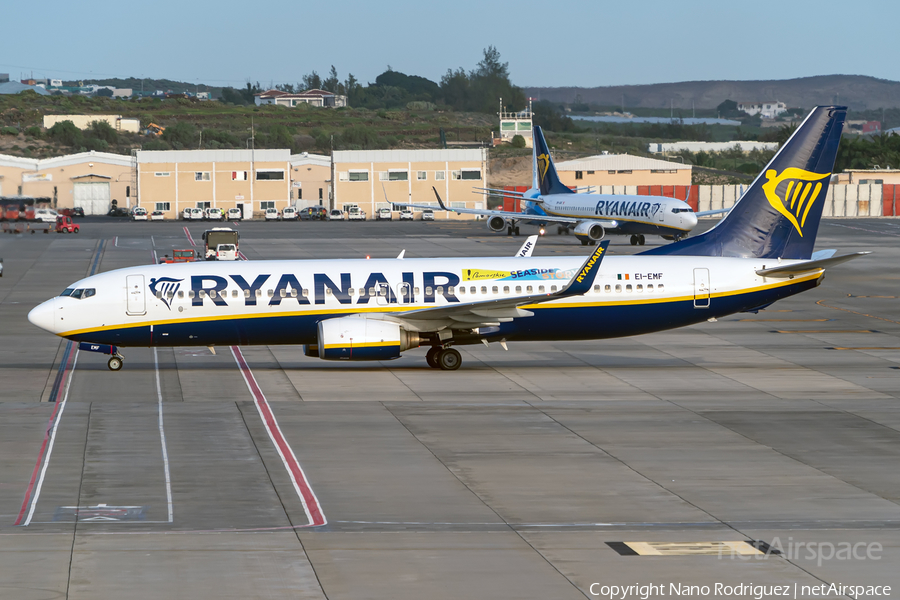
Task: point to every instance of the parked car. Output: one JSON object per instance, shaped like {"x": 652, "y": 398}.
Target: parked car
{"x": 235, "y": 214}
{"x": 428, "y": 215}
{"x": 214, "y": 214}
{"x": 384, "y": 214}
{"x": 314, "y": 213}
{"x": 271, "y": 214}
{"x": 72, "y": 212}
{"x": 289, "y": 214}
{"x": 336, "y": 215}
{"x": 157, "y": 215}
{"x": 355, "y": 213}
{"x": 196, "y": 214}
{"x": 406, "y": 215}
{"x": 186, "y": 214}
{"x": 45, "y": 215}
{"x": 139, "y": 213}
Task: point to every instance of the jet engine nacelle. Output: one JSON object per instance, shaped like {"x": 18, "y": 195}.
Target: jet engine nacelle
{"x": 591, "y": 230}
{"x": 359, "y": 338}
{"x": 496, "y": 223}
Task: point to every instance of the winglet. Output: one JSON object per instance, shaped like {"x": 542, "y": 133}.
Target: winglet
{"x": 584, "y": 280}
{"x": 528, "y": 247}
{"x": 441, "y": 202}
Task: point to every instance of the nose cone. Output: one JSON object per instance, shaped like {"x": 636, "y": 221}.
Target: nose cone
{"x": 43, "y": 315}
{"x": 690, "y": 220}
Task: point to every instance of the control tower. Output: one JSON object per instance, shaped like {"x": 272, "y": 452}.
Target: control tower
{"x": 513, "y": 124}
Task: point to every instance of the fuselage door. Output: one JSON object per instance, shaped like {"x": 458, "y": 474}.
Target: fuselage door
{"x": 701, "y": 288}
{"x": 136, "y": 302}
{"x": 661, "y": 213}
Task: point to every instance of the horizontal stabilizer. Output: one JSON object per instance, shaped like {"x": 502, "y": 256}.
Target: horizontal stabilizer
{"x": 807, "y": 266}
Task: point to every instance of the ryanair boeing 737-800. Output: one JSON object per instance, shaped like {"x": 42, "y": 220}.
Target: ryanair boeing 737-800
{"x": 376, "y": 309}
{"x": 589, "y": 216}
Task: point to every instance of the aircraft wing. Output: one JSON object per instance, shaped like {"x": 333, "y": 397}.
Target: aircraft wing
{"x": 502, "y": 310}
{"x": 607, "y": 224}
{"x": 709, "y": 213}
{"x": 807, "y": 266}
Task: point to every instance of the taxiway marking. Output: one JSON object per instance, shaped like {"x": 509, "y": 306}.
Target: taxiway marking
{"x": 295, "y": 471}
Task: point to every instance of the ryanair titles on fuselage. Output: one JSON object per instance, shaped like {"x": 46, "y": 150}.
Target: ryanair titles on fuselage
{"x": 625, "y": 208}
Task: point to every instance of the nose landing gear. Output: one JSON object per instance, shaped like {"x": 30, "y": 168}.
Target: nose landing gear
{"x": 116, "y": 360}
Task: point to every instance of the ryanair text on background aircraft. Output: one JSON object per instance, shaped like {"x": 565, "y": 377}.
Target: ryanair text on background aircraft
{"x": 375, "y": 309}
{"x": 589, "y": 216}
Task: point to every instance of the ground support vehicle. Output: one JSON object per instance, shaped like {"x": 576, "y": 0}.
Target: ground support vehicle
{"x": 65, "y": 225}
{"x": 217, "y": 236}
{"x": 179, "y": 256}
{"x": 289, "y": 214}
{"x": 139, "y": 214}
{"x": 271, "y": 214}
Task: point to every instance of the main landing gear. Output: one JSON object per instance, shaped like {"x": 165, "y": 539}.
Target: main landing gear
{"x": 562, "y": 231}
{"x": 512, "y": 230}
{"x": 637, "y": 240}
{"x": 446, "y": 359}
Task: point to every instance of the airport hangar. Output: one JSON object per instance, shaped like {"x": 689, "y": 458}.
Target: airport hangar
{"x": 254, "y": 180}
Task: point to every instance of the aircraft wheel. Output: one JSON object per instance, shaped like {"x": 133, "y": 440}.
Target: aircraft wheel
{"x": 584, "y": 242}
{"x": 431, "y": 357}
{"x": 449, "y": 359}
{"x": 114, "y": 363}
{"x": 516, "y": 230}
{"x": 634, "y": 240}
{"x": 561, "y": 230}
{"x": 641, "y": 240}
{"x": 509, "y": 231}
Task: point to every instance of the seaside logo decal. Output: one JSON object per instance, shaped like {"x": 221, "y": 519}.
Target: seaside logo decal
{"x": 799, "y": 195}
{"x": 165, "y": 288}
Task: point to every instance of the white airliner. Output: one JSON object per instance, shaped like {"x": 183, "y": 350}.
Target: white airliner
{"x": 589, "y": 216}
{"x": 376, "y": 309}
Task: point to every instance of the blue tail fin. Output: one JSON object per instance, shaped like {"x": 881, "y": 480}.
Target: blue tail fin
{"x": 544, "y": 172}
{"x": 778, "y": 216}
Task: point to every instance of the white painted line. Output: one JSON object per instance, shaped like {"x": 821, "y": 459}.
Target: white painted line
{"x": 307, "y": 496}
{"x": 162, "y": 438}
{"x": 37, "y": 491}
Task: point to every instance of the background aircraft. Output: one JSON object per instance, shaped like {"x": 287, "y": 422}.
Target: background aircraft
{"x": 589, "y": 216}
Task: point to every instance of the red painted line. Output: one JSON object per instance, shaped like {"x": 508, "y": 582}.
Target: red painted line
{"x": 241, "y": 254}
{"x": 188, "y": 234}
{"x": 301, "y": 484}
{"x": 61, "y": 382}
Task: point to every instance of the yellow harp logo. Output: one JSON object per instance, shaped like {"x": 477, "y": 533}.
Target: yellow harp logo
{"x": 800, "y": 192}
{"x": 543, "y": 163}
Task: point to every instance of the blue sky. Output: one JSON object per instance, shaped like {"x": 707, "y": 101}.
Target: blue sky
{"x": 560, "y": 43}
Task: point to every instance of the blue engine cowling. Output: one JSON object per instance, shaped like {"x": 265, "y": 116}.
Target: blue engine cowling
{"x": 359, "y": 338}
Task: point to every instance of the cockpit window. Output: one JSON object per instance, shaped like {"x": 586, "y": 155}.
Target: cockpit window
{"x": 681, "y": 210}
{"x": 80, "y": 293}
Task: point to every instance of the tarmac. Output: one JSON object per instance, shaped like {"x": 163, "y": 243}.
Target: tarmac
{"x": 546, "y": 471}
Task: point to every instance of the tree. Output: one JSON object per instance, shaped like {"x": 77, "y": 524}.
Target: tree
{"x": 181, "y": 135}
{"x": 66, "y": 133}
{"x": 312, "y": 81}
{"x": 249, "y": 93}
{"x": 490, "y": 82}
{"x": 232, "y": 96}
{"x": 105, "y": 93}
{"x": 332, "y": 83}
{"x": 518, "y": 141}
{"x": 729, "y": 108}
{"x": 455, "y": 89}
{"x": 102, "y": 130}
